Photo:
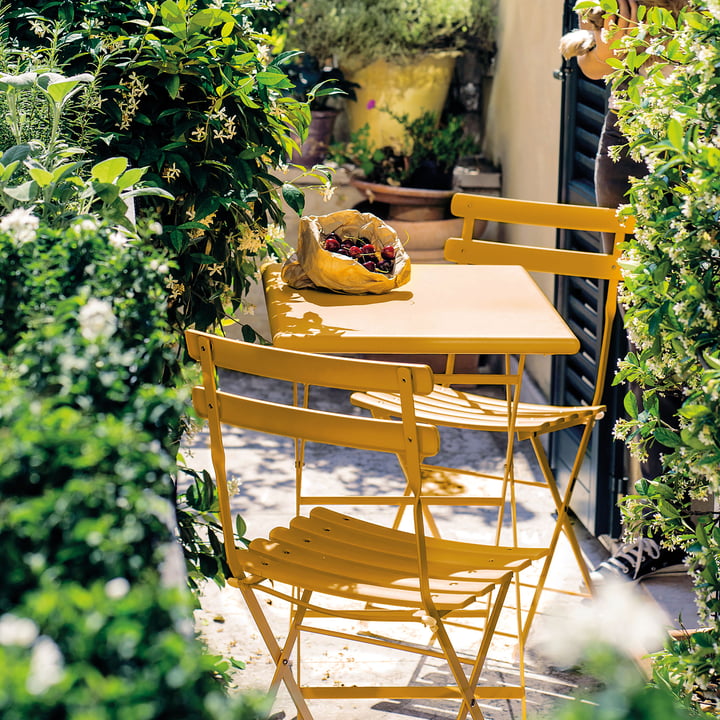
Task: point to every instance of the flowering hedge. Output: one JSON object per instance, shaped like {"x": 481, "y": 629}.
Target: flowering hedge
{"x": 95, "y": 613}
{"x": 669, "y": 108}
{"x": 192, "y": 92}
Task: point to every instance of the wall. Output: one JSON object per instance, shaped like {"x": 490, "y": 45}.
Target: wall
{"x": 522, "y": 128}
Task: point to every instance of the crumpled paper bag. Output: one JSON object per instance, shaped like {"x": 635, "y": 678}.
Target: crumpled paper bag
{"x": 314, "y": 267}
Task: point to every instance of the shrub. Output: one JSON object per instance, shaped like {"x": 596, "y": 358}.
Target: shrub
{"x": 669, "y": 108}
{"x": 96, "y": 616}
{"x": 192, "y": 92}
{"x": 358, "y": 32}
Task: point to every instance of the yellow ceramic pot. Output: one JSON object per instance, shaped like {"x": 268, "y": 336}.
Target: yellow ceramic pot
{"x": 410, "y": 89}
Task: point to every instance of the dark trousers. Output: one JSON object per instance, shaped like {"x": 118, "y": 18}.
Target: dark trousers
{"x": 612, "y": 182}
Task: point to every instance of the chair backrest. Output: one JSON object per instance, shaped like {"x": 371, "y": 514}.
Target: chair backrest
{"x": 407, "y": 439}
{"x": 593, "y": 265}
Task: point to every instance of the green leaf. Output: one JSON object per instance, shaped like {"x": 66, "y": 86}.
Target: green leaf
{"x": 16, "y": 153}
{"x": 249, "y": 334}
{"x": 208, "y": 18}
{"x": 19, "y": 82}
{"x": 694, "y": 411}
{"x": 61, "y": 91}
{"x": 208, "y": 565}
{"x": 272, "y": 79}
{"x": 675, "y": 133}
{"x": 173, "y": 86}
{"x": 41, "y": 176}
{"x": 130, "y": 177}
{"x": 23, "y": 193}
{"x": 107, "y": 171}
{"x": 7, "y": 172}
{"x": 631, "y": 405}
{"x": 173, "y": 17}
{"x": 240, "y": 526}
{"x": 666, "y": 437}
{"x": 202, "y": 259}
{"x": 293, "y": 197}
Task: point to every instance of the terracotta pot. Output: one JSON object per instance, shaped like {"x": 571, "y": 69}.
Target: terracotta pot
{"x": 407, "y": 203}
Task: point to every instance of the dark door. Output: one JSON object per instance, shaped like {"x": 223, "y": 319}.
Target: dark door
{"x": 602, "y": 476}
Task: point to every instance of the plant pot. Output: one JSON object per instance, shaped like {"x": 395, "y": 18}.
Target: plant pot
{"x": 315, "y": 147}
{"x": 410, "y": 89}
{"x": 410, "y": 204}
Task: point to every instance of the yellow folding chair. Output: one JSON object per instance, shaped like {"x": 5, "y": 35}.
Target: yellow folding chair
{"x": 446, "y": 406}
{"x": 329, "y": 564}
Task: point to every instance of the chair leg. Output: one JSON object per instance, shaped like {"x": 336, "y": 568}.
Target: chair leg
{"x": 488, "y": 633}
{"x": 465, "y": 686}
{"x": 562, "y": 523}
{"x": 281, "y": 656}
{"x": 563, "y": 503}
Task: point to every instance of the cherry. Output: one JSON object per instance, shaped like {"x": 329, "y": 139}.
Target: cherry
{"x": 344, "y": 251}
{"x": 388, "y": 252}
{"x": 368, "y": 249}
{"x": 369, "y": 265}
{"x": 385, "y": 266}
{"x": 332, "y": 244}
{"x": 354, "y": 251}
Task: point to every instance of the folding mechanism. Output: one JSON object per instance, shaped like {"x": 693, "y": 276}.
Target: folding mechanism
{"x": 446, "y": 406}
{"x": 329, "y": 564}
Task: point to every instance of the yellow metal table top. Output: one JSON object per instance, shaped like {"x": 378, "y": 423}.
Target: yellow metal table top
{"x": 445, "y": 308}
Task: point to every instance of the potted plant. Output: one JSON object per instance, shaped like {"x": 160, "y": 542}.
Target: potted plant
{"x": 317, "y": 84}
{"x": 401, "y": 54}
{"x": 415, "y": 181}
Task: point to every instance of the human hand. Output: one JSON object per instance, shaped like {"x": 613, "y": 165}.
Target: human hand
{"x": 594, "y": 63}
{"x": 614, "y": 27}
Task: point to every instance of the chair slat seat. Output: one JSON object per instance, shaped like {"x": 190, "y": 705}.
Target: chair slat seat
{"x": 455, "y": 408}
{"x": 339, "y": 543}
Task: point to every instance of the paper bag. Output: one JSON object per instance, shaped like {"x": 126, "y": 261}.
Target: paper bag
{"x": 312, "y": 266}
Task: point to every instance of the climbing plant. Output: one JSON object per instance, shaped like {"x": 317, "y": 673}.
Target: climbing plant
{"x": 666, "y": 82}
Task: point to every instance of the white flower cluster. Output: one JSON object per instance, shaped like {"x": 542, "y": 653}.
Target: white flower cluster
{"x": 97, "y": 319}
{"x": 46, "y": 660}
{"x": 21, "y": 224}
{"x": 619, "y": 616}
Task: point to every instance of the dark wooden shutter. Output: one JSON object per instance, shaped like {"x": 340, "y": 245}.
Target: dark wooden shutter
{"x": 595, "y": 497}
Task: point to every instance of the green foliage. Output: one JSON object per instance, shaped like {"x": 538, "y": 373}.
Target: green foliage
{"x": 111, "y": 650}
{"x": 431, "y": 152}
{"x": 192, "y": 93}
{"x": 358, "y": 32}
{"x": 669, "y": 108}
{"x": 48, "y": 175}
{"x": 96, "y": 615}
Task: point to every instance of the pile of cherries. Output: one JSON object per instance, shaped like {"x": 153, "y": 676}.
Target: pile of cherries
{"x": 362, "y": 250}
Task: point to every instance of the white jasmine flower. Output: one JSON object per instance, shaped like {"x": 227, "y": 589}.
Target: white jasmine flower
{"x": 20, "y": 223}
{"x": 46, "y": 666}
{"x": 97, "y": 319}
{"x": 117, "y": 588}
{"x": 118, "y": 240}
{"x": 87, "y": 225}
{"x": 620, "y": 616}
{"x": 155, "y": 228}
{"x": 17, "y": 631}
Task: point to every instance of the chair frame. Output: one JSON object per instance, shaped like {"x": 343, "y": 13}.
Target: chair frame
{"x": 525, "y": 420}
{"x": 413, "y": 576}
